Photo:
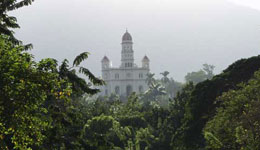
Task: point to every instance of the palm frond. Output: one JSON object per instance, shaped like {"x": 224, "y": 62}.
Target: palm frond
{"x": 20, "y": 4}
{"x": 4, "y": 30}
{"x": 63, "y": 69}
{"x": 165, "y": 73}
{"x": 79, "y": 84}
{"x": 80, "y": 58}
{"x": 7, "y": 23}
{"x": 64, "y": 65}
{"x": 28, "y": 47}
{"x": 10, "y": 22}
{"x": 92, "y": 78}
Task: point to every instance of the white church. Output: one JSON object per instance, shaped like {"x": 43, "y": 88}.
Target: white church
{"x": 128, "y": 77}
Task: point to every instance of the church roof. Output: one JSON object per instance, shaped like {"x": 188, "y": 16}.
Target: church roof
{"x": 127, "y": 36}
{"x": 146, "y": 58}
{"x": 105, "y": 59}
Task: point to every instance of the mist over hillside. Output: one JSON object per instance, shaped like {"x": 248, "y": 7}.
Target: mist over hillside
{"x": 177, "y": 36}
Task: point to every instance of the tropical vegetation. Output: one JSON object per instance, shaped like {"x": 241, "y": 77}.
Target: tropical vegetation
{"x": 44, "y": 105}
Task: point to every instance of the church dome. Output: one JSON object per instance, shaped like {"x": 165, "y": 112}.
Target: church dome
{"x": 105, "y": 59}
{"x": 127, "y": 37}
{"x": 145, "y": 59}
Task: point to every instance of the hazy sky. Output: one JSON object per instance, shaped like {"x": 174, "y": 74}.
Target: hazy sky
{"x": 177, "y": 35}
{"x": 249, "y": 3}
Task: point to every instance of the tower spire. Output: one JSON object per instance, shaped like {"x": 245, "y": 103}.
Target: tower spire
{"x": 127, "y": 54}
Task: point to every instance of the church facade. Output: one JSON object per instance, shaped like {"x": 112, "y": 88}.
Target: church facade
{"x": 128, "y": 77}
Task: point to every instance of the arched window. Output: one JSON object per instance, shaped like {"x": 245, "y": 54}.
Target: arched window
{"x": 140, "y": 75}
{"x": 128, "y": 65}
{"x": 141, "y": 89}
{"x": 105, "y": 76}
{"x": 116, "y": 76}
{"x": 117, "y": 90}
{"x": 129, "y": 90}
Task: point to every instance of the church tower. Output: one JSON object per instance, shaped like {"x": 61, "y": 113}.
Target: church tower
{"x": 127, "y": 53}
{"x": 128, "y": 77}
{"x": 106, "y": 64}
{"x": 146, "y": 62}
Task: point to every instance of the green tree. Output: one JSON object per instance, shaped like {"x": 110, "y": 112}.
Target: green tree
{"x": 209, "y": 70}
{"x": 201, "y": 75}
{"x": 150, "y": 78}
{"x": 79, "y": 85}
{"x": 165, "y": 80}
{"x": 7, "y": 23}
{"x": 25, "y": 85}
{"x": 69, "y": 117}
{"x": 174, "y": 87}
{"x": 202, "y": 104}
{"x": 101, "y": 131}
{"x": 171, "y": 86}
{"x": 131, "y": 117}
{"x": 155, "y": 90}
{"x": 196, "y": 77}
{"x": 237, "y": 123}
{"x": 177, "y": 112}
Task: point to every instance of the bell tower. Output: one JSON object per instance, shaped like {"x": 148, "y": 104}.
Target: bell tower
{"x": 127, "y": 53}
{"x": 146, "y": 62}
{"x": 106, "y": 64}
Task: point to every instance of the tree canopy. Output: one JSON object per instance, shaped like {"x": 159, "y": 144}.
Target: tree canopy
{"x": 8, "y": 23}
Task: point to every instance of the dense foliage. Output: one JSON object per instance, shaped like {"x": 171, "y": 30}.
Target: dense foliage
{"x": 237, "y": 123}
{"x": 36, "y": 99}
{"x": 201, "y": 75}
{"x": 47, "y": 106}
{"x": 202, "y": 103}
{"x": 7, "y": 23}
{"x": 24, "y": 89}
